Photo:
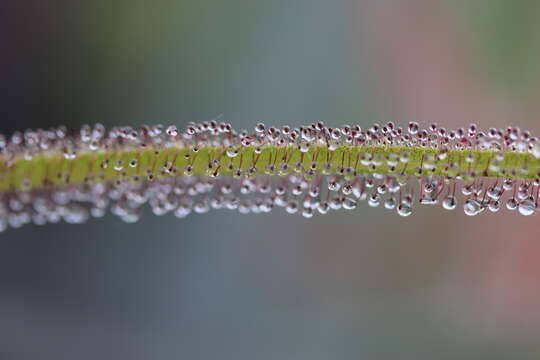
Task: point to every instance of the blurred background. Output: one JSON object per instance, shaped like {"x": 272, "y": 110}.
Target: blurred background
{"x": 351, "y": 285}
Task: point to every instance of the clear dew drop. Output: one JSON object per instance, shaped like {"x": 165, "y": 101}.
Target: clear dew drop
{"x": 467, "y": 189}
{"x": 347, "y": 189}
{"x": 307, "y": 213}
{"x": 472, "y": 207}
{"x": 201, "y": 207}
{"x": 334, "y": 185}
{"x": 349, "y": 204}
{"x": 335, "y": 203}
{"x": 119, "y": 165}
{"x": 390, "y": 203}
{"x": 511, "y": 204}
{"x": 374, "y": 200}
{"x": 413, "y": 128}
{"x": 292, "y": 207}
{"x": 404, "y": 210}
{"x": 232, "y": 152}
{"x": 527, "y": 207}
{"x": 535, "y": 151}
{"x": 508, "y": 184}
{"x": 323, "y": 208}
{"x": 450, "y": 202}
{"x": 494, "y": 206}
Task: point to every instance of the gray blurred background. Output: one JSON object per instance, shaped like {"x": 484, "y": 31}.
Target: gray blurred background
{"x": 351, "y": 285}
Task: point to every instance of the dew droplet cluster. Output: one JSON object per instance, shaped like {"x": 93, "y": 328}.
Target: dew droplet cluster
{"x": 52, "y": 175}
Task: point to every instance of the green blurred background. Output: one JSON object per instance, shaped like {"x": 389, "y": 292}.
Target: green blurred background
{"x": 351, "y": 285}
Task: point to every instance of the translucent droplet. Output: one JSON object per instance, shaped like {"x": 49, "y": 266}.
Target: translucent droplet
{"x": 349, "y": 204}
{"x": 333, "y": 185}
{"x": 472, "y": 207}
{"x": 494, "y": 206}
{"x": 182, "y": 211}
{"x": 335, "y": 203}
{"x": 307, "y": 213}
{"x": 449, "y": 203}
{"x": 404, "y": 210}
{"x": 413, "y": 128}
{"x": 323, "y": 208}
{"x": 508, "y": 184}
{"x": 536, "y": 150}
{"x": 390, "y": 203}
{"x": 374, "y": 200}
{"x": 292, "y": 207}
{"x": 512, "y": 204}
{"x": 119, "y": 165}
{"x": 527, "y": 207}
{"x": 467, "y": 189}
{"x": 232, "y": 152}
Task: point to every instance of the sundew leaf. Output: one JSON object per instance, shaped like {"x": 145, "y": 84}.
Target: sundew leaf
{"x": 47, "y": 175}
